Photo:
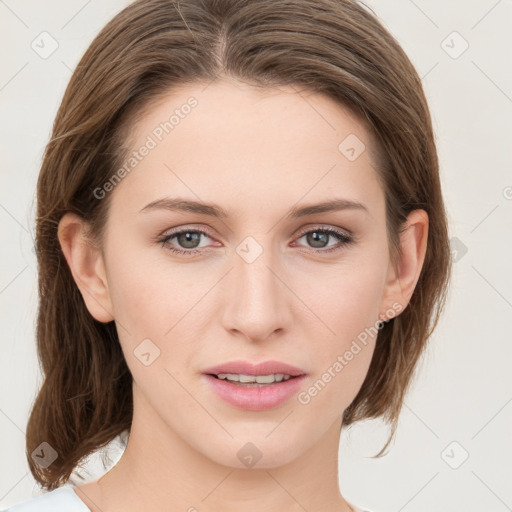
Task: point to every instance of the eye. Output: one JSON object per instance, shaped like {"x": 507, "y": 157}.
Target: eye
{"x": 319, "y": 239}
{"x": 189, "y": 240}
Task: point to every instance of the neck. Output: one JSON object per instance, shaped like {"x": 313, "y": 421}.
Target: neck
{"x": 159, "y": 470}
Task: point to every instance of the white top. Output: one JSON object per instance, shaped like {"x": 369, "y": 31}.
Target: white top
{"x": 65, "y": 499}
{"x": 62, "y": 499}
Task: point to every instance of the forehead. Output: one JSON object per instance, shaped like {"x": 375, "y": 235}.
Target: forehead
{"x": 261, "y": 146}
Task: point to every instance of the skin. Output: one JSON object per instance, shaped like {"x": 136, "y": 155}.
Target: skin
{"x": 256, "y": 153}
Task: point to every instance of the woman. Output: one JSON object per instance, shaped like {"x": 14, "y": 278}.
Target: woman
{"x": 242, "y": 249}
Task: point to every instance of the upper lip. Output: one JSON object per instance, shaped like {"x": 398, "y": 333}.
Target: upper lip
{"x": 248, "y": 368}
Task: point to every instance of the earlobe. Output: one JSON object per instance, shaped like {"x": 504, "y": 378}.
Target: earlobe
{"x": 403, "y": 277}
{"x": 86, "y": 265}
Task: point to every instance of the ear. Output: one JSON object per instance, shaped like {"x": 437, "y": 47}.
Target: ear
{"x": 87, "y": 266}
{"x": 403, "y": 276}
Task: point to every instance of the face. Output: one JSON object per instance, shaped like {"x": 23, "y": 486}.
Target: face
{"x": 268, "y": 281}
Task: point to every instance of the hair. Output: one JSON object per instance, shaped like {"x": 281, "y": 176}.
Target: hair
{"x": 334, "y": 47}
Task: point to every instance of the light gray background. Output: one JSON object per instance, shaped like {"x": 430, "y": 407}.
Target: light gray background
{"x": 463, "y": 390}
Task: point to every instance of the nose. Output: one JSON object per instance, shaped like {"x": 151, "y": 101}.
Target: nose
{"x": 258, "y": 302}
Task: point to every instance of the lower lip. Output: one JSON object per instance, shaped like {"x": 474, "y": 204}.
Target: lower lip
{"x": 256, "y": 398}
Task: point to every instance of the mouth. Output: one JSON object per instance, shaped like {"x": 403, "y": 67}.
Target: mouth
{"x": 247, "y": 371}
{"x": 254, "y": 396}
{"x": 252, "y": 381}
{"x": 255, "y": 387}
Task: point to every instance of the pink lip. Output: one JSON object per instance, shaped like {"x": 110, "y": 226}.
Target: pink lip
{"x": 255, "y": 398}
{"x": 247, "y": 368}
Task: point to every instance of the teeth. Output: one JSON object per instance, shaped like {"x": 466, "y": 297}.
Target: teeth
{"x": 260, "y": 379}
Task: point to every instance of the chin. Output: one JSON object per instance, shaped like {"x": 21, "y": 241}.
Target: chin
{"x": 255, "y": 451}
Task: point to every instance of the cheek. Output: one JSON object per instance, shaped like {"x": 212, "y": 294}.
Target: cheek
{"x": 349, "y": 306}
{"x": 350, "y": 298}
{"x": 147, "y": 307}
{"x": 156, "y": 301}
{"x": 136, "y": 297}
{"x": 142, "y": 294}
{"x": 358, "y": 304}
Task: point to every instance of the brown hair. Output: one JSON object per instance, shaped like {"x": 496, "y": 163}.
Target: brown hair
{"x": 334, "y": 47}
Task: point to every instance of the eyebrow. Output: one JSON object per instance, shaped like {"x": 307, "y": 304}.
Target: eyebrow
{"x": 176, "y": 204}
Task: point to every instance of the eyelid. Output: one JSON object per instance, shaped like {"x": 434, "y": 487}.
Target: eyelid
{"x": 344, "y": 238}
{"x": 325, "y": 227}
{"x": 302, "y": 231}
{"x": 187, "y": 227}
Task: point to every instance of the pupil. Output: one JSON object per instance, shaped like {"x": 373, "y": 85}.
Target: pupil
{"x": 187, "y": 238}
{"x": 315, "y": 236}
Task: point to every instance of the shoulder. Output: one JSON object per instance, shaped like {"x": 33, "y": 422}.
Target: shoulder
{"x": 357, "y": 509}
{"x": 63, "y": 499}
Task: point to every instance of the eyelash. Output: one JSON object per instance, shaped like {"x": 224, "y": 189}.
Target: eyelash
{"x": 342, "y": 237}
